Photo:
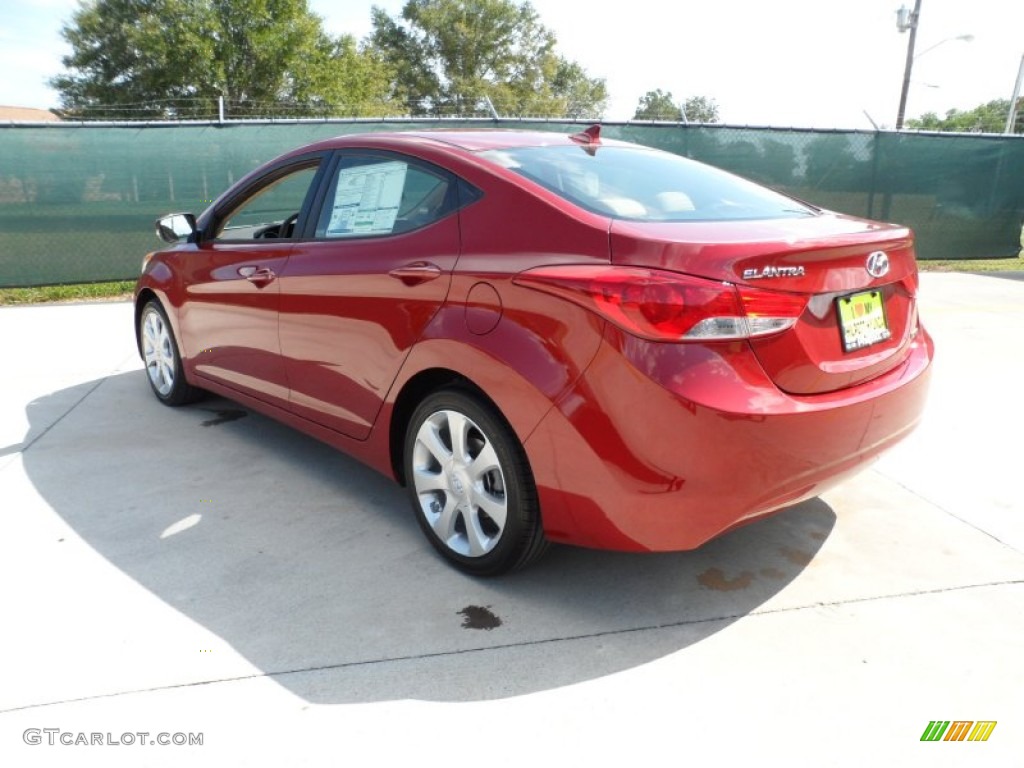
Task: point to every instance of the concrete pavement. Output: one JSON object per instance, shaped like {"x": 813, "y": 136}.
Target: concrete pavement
{"x": 207, "y": 571}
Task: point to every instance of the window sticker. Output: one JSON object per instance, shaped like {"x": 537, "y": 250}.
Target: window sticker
{"x": 366, "y": 199}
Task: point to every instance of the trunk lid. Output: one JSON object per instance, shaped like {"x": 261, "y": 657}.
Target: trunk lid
{"x": 856, "y": 325}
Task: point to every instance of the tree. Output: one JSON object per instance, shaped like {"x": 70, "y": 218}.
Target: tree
{"x": 658, "y": 105}
{"x": 352, "y": 82}
{"x": 985, "y": 118}
{"x": 452, "y": 56}
{"x": 700, "y": 109}
{"x": 574, "y": 94}
{"x": 174, "y": 58}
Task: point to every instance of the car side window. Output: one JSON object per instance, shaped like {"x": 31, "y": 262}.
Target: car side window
{"x": 383, "y": 195}
{"x": 271, "y": 211}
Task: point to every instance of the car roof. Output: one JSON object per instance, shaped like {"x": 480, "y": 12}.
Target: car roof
{"x": 469, "y": 140}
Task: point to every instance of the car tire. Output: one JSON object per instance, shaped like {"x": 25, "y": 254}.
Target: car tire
{"x": 162, "y": 360}
{"x": 470, "y": 484}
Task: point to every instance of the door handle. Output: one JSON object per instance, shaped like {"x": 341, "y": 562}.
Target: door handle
{"x": 417, "y": 272}
{"x": 257, "y": 275}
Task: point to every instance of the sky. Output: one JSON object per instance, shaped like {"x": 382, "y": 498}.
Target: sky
{"x": 787, "y": 63}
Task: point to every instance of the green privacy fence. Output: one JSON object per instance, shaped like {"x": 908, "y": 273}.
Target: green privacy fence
{"x": 77, "y": 202}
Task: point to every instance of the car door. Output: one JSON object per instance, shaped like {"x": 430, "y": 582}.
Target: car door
{"x": 229, "y": 318}
{"x": 359, "y": 290}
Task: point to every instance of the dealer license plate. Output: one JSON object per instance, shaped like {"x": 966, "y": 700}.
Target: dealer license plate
{"x": 862, "y": 320}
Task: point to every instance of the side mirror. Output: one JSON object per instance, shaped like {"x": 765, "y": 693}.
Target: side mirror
{"x": 176, "y": 227}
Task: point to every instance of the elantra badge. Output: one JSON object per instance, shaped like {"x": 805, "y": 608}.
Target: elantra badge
{"x": 758, "y": 274}
{"x": 878, "y": 264}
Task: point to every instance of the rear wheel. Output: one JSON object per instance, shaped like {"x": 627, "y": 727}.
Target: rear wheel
{"x": 471, "y": 485}
{"x": 163, "y": 361}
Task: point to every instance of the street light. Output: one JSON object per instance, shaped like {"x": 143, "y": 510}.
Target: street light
{"x": 965, "y": 38}
{"x": 907, "y": 19}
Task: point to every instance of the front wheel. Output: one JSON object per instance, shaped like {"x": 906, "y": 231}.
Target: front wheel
{"x": 471, "y": 486}
{"x": 163, "y": 361}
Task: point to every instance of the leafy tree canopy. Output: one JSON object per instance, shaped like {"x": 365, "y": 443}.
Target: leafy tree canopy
{"x": 700, "y": 109}
{"x": 659, "y": 105}
{"x": 985, "y": 118}
{"x": 452, "y": 56}
{"x": 174, "y": 58}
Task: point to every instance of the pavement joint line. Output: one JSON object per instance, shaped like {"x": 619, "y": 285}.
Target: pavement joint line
{"x": 939, "y": 506}
{"x": 23, "y": 447}
{"x": 59, "y": 419}
{"x": 509, "y": 646}
{"x": 121, "y": 366}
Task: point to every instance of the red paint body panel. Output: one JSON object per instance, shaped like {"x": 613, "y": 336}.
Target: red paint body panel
{"x": 346, "y": 324}
{"x": 832, "y": 247}
{"x": 634, "y": 444}
{"x": 673, "y": 445}
{"x": 531, "y": 358}
{"x": 832, "y": 251}
{"x": 229, "y": 324}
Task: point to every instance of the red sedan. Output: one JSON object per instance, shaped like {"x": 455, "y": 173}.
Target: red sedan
{"x": 545, "y": 338}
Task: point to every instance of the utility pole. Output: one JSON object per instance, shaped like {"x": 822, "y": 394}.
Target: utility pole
{"x": 905, "y": 21}
{"x": 1011, "y": 118}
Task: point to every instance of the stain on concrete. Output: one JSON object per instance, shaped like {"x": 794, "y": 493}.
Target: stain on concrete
{"x": 713, "y": 578}
{"x": 818, "y": 535}
{"x": 796, "y": 556}
{"x": 479, "y": 617}
{"x": 773, "y": 573}
{"x": 223, "y": 417}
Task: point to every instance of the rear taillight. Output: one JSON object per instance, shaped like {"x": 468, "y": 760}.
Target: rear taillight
{"x": 770, "y": 311}
{"x": 667, "y": 306}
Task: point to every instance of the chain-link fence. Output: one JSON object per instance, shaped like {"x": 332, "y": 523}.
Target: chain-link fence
{"x": 77, "y": 202}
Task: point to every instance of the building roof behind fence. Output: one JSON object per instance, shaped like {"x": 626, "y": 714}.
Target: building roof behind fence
{"x": 26, "y": 115}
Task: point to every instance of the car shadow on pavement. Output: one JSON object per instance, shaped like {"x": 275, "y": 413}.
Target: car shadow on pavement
{"x": 312, "y": 567}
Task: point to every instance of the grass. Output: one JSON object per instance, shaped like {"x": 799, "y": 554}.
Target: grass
{"x": 122, "y": 289}
{"x": 1012, "y": 264}
{"x": 114, "y": 291}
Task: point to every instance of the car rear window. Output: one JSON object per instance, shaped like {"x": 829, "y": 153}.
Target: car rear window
{"x": 643, "y": 184}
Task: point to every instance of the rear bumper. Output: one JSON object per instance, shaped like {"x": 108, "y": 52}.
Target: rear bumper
{"x": 661, "y": 447}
